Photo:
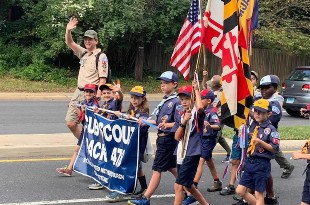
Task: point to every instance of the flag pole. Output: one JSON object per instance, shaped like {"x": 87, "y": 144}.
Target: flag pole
{"x": 191, "y": 105}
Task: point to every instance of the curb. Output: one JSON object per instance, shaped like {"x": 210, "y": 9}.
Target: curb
{"x": 62, "y": 145}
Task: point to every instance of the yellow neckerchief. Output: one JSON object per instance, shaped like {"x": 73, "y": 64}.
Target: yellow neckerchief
{"x": 305, "y": 148}
{"x": 251, "y": 147}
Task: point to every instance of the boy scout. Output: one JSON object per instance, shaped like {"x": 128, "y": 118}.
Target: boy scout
{"x": 166, "y": 113}
{"x": 89, "y": 72}
{"x": 264, "y": 143}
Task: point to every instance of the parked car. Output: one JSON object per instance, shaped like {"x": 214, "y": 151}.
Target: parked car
{"x": 296, "y": 90}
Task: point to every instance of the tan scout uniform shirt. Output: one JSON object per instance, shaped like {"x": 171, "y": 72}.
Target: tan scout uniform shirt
{"x": 88, "y": 72}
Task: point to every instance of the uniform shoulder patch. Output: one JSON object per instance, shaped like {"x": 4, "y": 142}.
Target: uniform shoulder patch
{"x": 267, "y": 131}
{"x": 214, "y": 117}
{"x": 179, "y": 107}
{"x": 276, "y": 110}
{"x": 275, "y": 135}
{"x": 170, "y": 104}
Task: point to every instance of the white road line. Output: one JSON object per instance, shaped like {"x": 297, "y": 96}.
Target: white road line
{"x": 78, "y": 200}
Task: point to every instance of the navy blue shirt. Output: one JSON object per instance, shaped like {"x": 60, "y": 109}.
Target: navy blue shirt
{"x": 90, "y": 103}
{"x": 268, "y": 133}
{"x": 113, "y": 105}
{"x": 168, "y": 112}
{"x": 194, "y": 141}
{"x": 213, "y": 119}
{"x": 144, "y": 131}
{"x": 276, "y": 110}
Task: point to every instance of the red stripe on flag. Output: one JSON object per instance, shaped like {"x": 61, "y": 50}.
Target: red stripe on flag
{"x": 188, "y": 42}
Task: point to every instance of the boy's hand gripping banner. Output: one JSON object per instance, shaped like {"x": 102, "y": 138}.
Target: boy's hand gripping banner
{"x": 109, "y": 152}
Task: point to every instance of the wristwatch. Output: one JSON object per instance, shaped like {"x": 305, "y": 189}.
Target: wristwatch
{"x": 182, "y": 125}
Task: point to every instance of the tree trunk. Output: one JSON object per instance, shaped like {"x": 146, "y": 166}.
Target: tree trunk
{"x": 139, "y": 63}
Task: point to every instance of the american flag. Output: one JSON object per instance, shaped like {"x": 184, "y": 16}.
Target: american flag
{"x": 188, "y": 42}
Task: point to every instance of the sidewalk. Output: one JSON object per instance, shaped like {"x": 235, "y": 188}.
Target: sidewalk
{"x": 62, "y": 145}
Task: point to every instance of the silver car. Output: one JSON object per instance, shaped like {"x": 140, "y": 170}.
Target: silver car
{"x": 296, "y": 90}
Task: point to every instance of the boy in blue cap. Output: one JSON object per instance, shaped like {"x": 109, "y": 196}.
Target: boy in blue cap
{"x": 166, "y": 114}
{"x": 189, "y": 133}
{"x": 264, "y": 143}
{"x": 208, "y": 142}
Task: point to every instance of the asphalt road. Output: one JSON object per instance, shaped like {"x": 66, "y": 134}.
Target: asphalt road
{"x": 47, "y": 117}
{"x": 38, "y": 183}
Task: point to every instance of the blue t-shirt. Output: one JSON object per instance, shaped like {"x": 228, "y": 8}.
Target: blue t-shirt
{"x": 168, "y": 111}
{"x": 113, "y": 105}
{"x": 213, "y": 119}
{"x": 268, "y": 133}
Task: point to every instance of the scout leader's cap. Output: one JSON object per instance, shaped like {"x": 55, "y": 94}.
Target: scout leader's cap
{"x": 91, "y": 34}
{"x": 186, "y": 90}
{"x": 92, "y": 87}
{"x": 207, "y": 94}
{"x": 268, "y": 80}
{"x": 168, "y": 76}
{"x": 138, "y": 91}
{"x": 105, "y": 87}
{"x": 261, "y": 105}
{"x": 255, "y": 74}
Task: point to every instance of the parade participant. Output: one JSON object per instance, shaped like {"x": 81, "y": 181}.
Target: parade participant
{"x": 268, "y": 87}
{"x": 110, "y": 103}
{"x": 210, "y": 129}
{"x": 138, "y": 108}
{"x": 91, "y": 101}
{"x": 189, "y": 143}
{"x": 215, "y": 85}
{"x": 89, "y": 72}
{"x": 305, "y": 111}
{"x": 254, "y": 79}
{"x": 235, "y": 158}
{"x": 264, "y": 143}
{"x": 305, "y": 154}
{"x": 165, "y": 120}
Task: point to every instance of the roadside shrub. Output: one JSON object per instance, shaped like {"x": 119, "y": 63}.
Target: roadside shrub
{"x": 35, "y": 72}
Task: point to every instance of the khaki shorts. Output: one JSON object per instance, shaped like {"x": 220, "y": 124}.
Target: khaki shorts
{"x": 72, "y": 116}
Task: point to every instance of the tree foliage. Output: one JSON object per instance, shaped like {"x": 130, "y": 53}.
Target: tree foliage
{"x": 284, "y": 25}
{"x": 37, "y": 38}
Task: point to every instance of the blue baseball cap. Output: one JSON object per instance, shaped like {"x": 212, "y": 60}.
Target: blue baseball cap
{"x": 268, "y": 80}
{"x": 207, "y": 94}
{"x": 168, "y": 76}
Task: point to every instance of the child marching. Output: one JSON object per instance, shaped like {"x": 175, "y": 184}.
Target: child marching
{"x": 189, "y": 135}
{"x": 264, "y": 143}
{"x": 139, "y": 109}
{"x": 165, "y": 120}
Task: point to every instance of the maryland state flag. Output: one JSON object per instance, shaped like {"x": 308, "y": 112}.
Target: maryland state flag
{"x": 237, "y": 15}
{"x": 229, "y": 40}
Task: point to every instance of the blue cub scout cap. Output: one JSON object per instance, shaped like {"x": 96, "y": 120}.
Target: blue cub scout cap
{"x": 168, "y": 76}
{"x": 207, "y": 94}
{"x": 268, "y": 80}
